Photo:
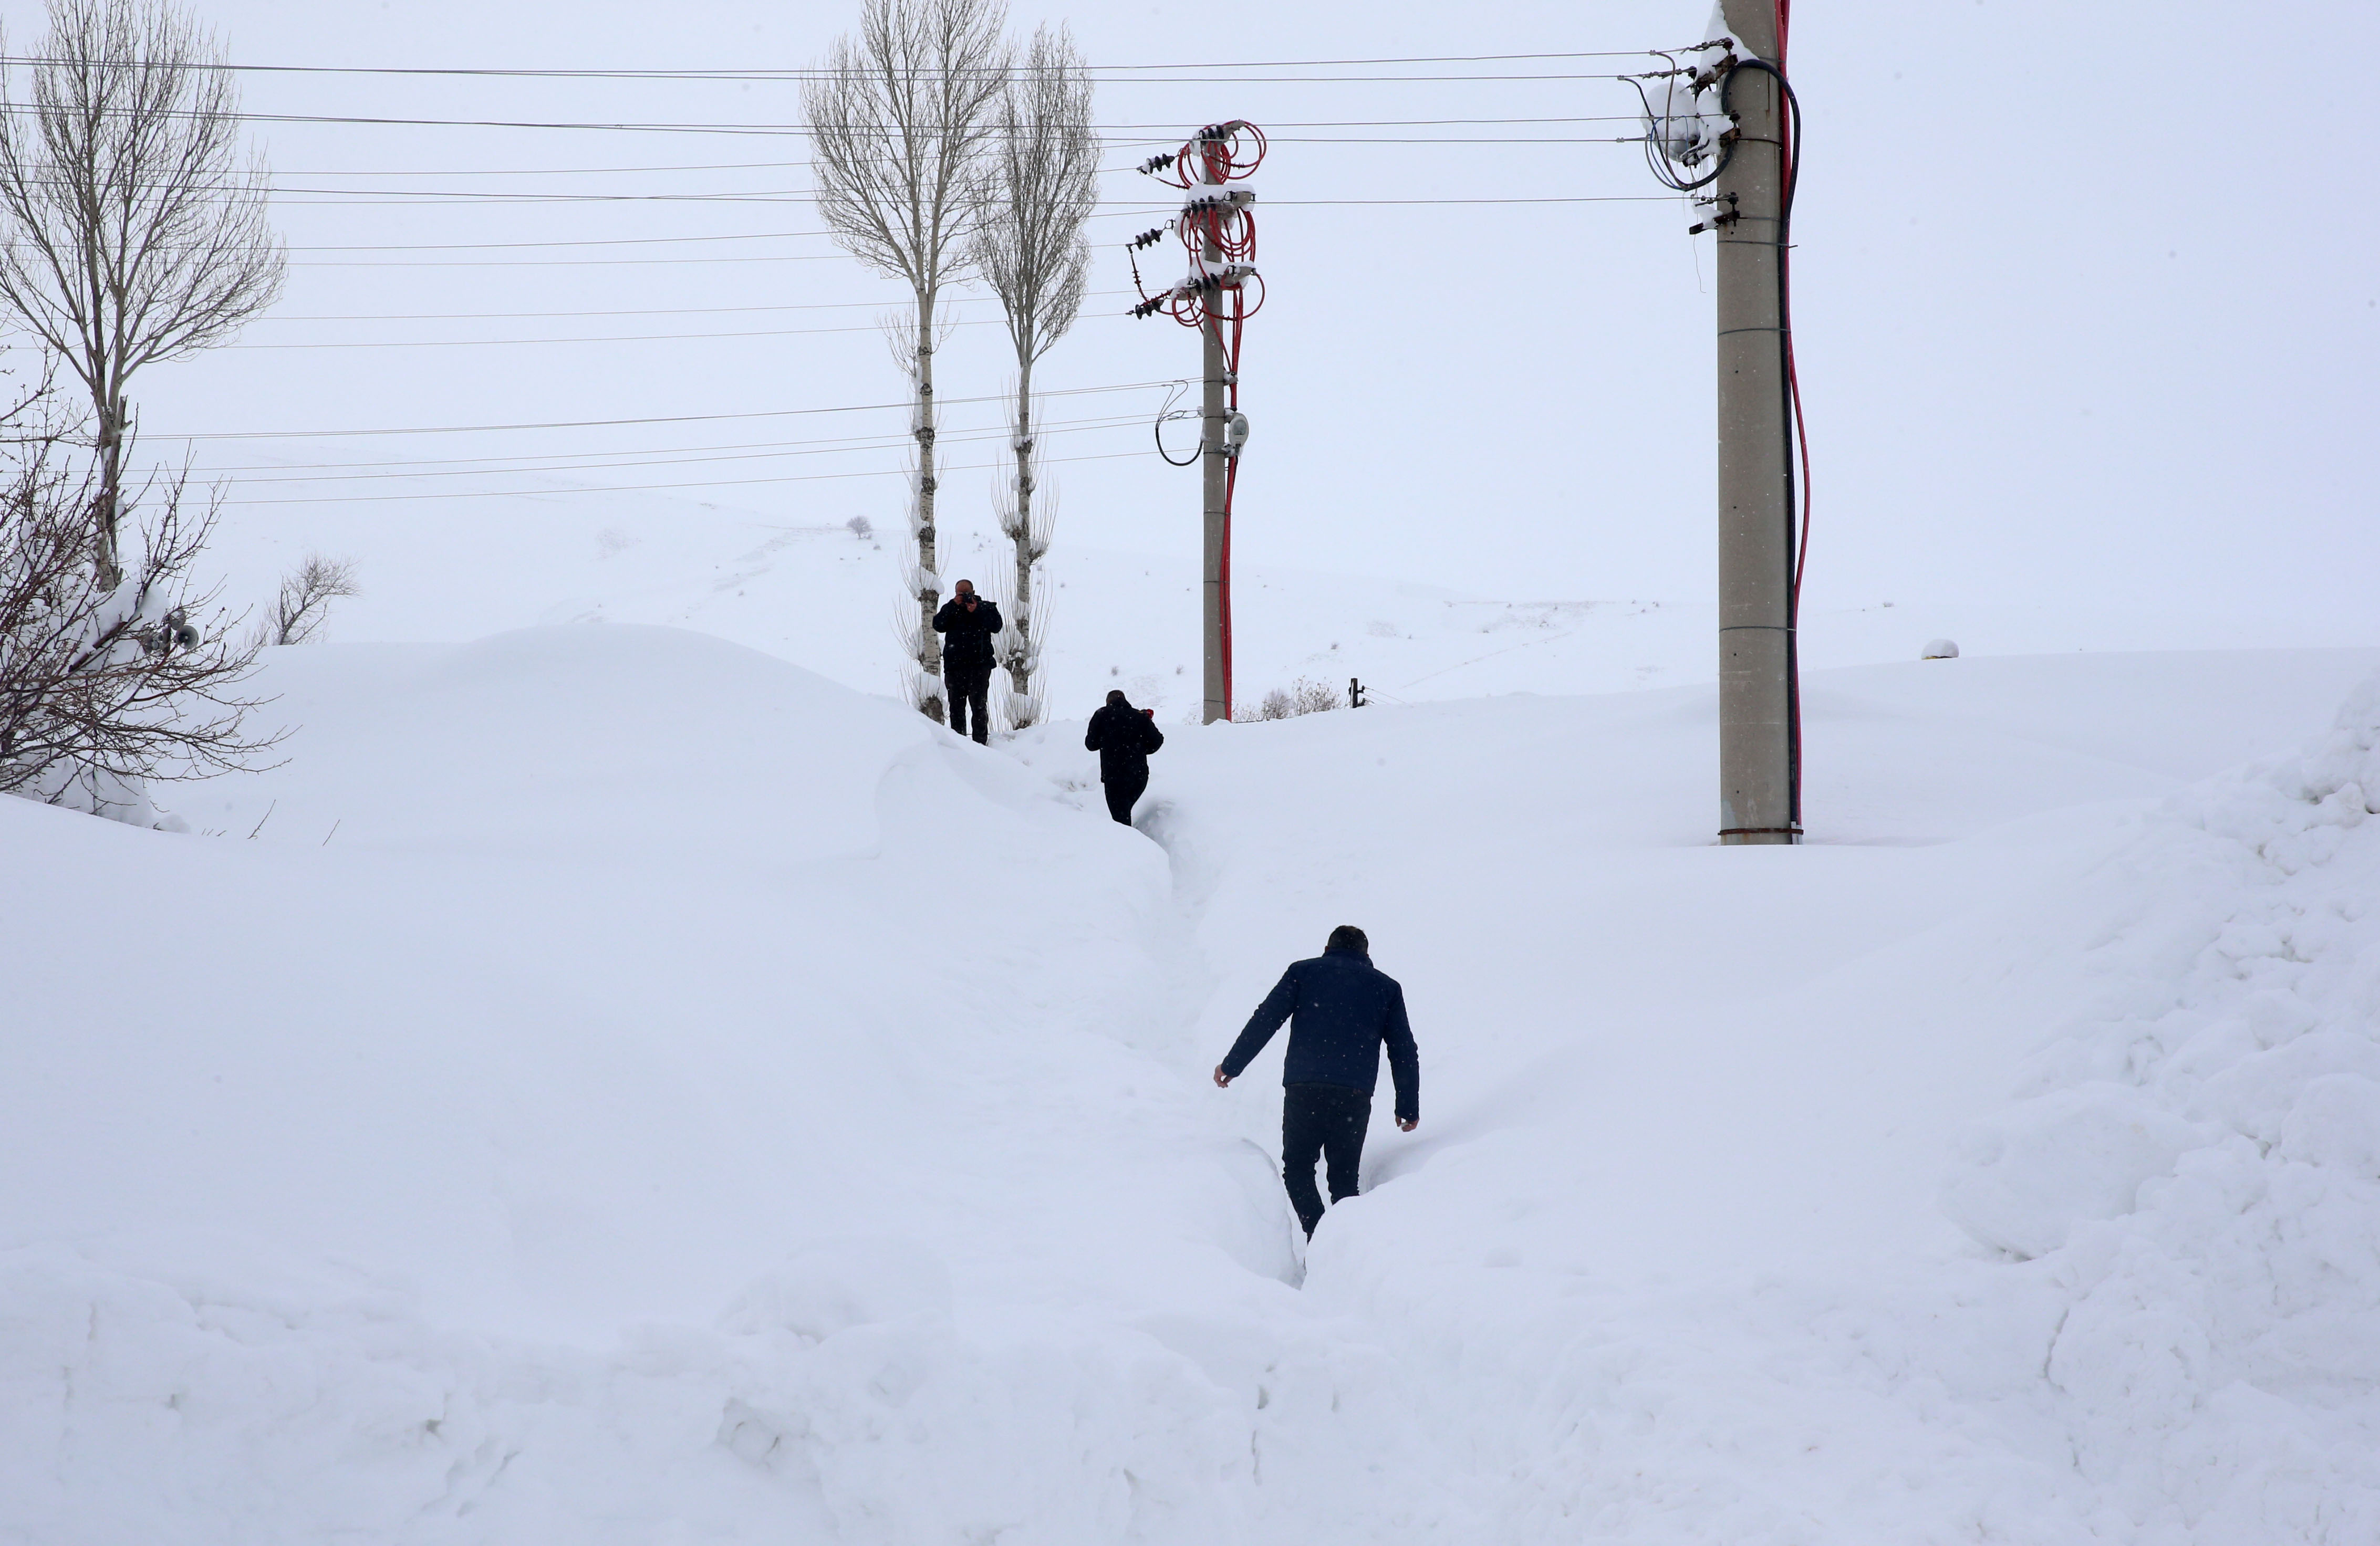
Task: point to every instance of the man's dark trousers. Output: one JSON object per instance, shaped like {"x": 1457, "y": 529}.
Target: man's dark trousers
{"x": 1315, "y": 1120}
{"x": 966, "y": 690}
{"x": 1123, "y": 792}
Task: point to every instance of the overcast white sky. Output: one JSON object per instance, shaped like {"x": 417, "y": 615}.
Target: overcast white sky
{"x": 2085, "y": 314}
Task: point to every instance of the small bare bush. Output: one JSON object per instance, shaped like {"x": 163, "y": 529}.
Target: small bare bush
{"x": 860, "y": 526}
{"x": 1300, "y": 698}
{"x": 1313, "y": 698}
{"x": 304, "y": 603}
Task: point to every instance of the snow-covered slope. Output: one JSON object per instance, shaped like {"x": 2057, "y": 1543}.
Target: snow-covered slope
{"x": 629, "y": 1089}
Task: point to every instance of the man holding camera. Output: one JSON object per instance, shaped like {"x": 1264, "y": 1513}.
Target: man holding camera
{"x": 1343, "y": 1010}
{"x": 968, "y": 624}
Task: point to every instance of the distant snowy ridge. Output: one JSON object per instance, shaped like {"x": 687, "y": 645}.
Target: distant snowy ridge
{"x": 2197, "y": 1161}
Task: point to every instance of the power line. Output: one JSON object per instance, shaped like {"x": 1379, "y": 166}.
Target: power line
{"x": 1163, "y": 130}
{"x": 615, "y": 423}
{"x": 1136, "y": 211}
{"x": 785, "y": 129}
{"x": 652, "y": 312}
{"x": 808, "y": 73}
{"x": 834, "y": 447}
{"x": 655, "y": 456}
{"x": 657, "y": 487}
{"x": 562, "y": 263}
{"x": 1119, "y": 138}
{"x": 1133, "y": 208}
{"x": 598, "y": 241}
{"x": 614, "y": 338}
{"x": 1112, "y": 139}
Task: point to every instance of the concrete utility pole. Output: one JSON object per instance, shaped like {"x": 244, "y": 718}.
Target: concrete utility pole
{"x": 1214, "y": 471}
{"x": 1756, "y": 747}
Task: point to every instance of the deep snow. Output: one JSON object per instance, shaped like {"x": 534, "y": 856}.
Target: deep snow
{"x": 629, "y": 1088}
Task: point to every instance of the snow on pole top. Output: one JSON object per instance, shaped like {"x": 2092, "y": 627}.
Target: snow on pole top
{"x": 1940, "y": 649}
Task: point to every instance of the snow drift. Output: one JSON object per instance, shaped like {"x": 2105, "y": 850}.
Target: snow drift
{"x": 611, "y": 1085}
{"x": 2197, "y": 1160}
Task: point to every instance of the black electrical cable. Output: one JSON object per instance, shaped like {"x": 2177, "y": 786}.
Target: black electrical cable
{"x": 1656, "y": 125}
{"x": 1157, "y": 427}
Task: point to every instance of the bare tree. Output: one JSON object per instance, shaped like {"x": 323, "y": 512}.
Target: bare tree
{"x": 135, "y": 228}
{"x": 1036, "y": 187}
{"x": 899, "y": 113}
{"x": 304, "y": 603}
{"x": 104, "y": 688}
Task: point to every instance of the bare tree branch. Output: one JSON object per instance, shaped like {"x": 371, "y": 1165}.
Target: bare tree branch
{"x": 135, "y": 228}
{"x": 1033, "y": 192}
{"x": 303, "y": 605}
{"x": 104, "y": 688}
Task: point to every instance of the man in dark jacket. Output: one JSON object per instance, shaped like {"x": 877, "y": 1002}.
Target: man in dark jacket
{"x": 1342, "y": 1009}
{"x": 967, "y": 623}
{"x": 1123, "y": 736}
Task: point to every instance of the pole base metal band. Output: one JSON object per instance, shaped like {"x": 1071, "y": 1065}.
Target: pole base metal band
{"x": 1750, "y": 831}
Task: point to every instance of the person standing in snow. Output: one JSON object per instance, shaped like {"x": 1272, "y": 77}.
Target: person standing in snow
{"x": 967, "y": 623}
{"x": 1340, "y": 1009}
{"x": 1123, "y": 736}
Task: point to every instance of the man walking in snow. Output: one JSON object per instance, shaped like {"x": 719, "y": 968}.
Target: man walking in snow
{"x": 967, "y": 623}
{"x": 1340, "y": 1009}
{"x": 1123, "y": 736}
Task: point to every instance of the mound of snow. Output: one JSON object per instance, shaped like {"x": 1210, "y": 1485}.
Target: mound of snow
{"x": 2197, "y": 1162}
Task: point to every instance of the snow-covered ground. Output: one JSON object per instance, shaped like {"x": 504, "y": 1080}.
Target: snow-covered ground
{"x": 613, "y": 1084}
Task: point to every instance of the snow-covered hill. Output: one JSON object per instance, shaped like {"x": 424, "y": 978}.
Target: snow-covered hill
{"x": 611, "y": 1084}
{"x": 799, "y": 585}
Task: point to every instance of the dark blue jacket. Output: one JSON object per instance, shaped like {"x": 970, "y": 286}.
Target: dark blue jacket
{"x": 1342, "y": 1009}
{"x": 1124, "y": 738}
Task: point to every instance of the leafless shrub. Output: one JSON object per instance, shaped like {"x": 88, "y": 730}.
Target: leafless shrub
{"x": 898, "y": 114}
{"x": 135, "y": 228}
{"x": 1022, "y": 708}
{"x": 1300, "y": 698}
{"x": 921, "y": 686}
{"x": 1313, "y": 698}
{"x": 104, "y": 688}
{"x": 304, "y": 602}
